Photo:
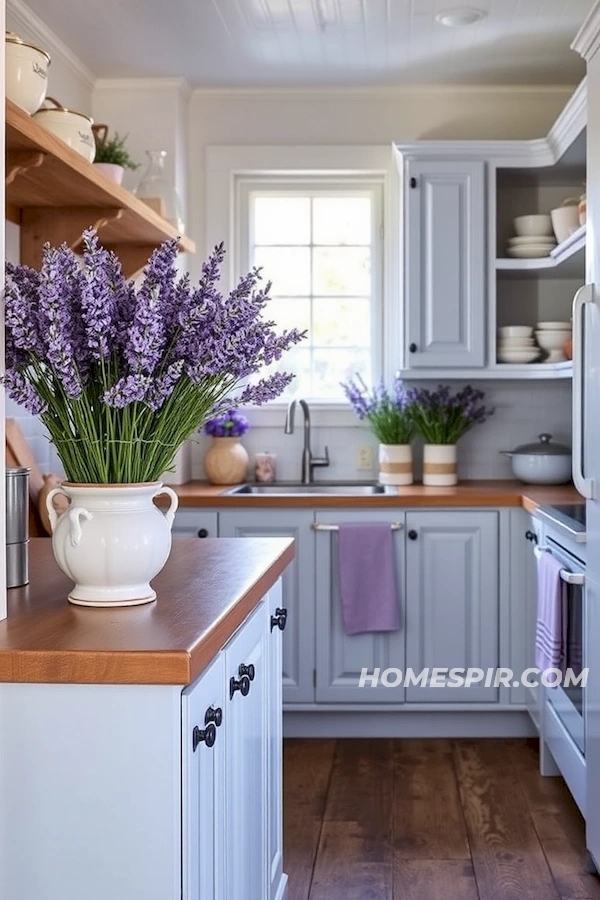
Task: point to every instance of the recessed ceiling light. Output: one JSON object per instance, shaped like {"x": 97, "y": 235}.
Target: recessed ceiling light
{"x": 463, "y": 15}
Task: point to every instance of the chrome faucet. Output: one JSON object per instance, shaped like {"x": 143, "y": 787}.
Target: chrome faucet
{"x": 309, "y": 462}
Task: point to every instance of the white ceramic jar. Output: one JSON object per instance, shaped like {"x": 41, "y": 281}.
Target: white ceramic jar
{"x": 74, "y": 128}
{"x": 395, "y": 464}
{"x": 111, "y": 541}
{"x": 26, "y": 73}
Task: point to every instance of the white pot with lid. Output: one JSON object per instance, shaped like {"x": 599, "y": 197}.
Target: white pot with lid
{"x": 74, "y": 128}
{"x": 26, "y": 73}
{"x": 541, "y": 462}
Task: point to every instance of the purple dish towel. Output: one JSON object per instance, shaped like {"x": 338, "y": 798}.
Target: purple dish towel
{"x": 367, "y": 572}
{"x": 550, "y": 638}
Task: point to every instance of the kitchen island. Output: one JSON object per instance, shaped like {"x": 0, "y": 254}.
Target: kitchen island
{"x": 137, "y": 744}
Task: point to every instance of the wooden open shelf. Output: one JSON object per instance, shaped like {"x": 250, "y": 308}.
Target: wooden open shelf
{"x": 53, "y": 193}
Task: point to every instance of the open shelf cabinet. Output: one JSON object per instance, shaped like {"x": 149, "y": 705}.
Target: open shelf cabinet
{"x": 53, "y": 193}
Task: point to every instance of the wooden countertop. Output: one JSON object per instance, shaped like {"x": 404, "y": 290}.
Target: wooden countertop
{"x": 204, "y": 592}
{"x": 467, "y": 493}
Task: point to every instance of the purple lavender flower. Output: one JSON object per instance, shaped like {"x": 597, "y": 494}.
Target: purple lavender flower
{"x": 230, "y": 424}
{"x": 389, "y": 415}
{"x": 59, "y": 321}
{"x": 442, "y": 417}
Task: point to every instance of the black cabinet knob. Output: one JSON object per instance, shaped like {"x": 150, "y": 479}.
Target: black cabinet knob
{"x": 207, "y": 735}
{"x": 214, "y": 715}
{"x": 202, "y": 532}
{"x": 242, "y": 685}
{"x": 412, "y": 348}
{"x": 279, "y": 620}
{"x": 531, "y": 536}
{"x": 413, "y": 535}
{"x": 246, "y": 670}
{"x": 413, "y": 182}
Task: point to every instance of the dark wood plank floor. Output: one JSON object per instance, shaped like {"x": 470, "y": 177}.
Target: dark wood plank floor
{"x": 429, "y": 820}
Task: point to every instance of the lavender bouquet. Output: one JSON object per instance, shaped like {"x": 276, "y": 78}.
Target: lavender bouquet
{"x": 388, "y": 414}
{"x": 230, "y": 424}
{"x": 120, "y": 375}
{"x": 442, "y": 418}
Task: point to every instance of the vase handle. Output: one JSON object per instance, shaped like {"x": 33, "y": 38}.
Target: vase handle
{"x": 76, "y": 514}
{"x": 170, "y": 513}
{"x": 52, "y": 514}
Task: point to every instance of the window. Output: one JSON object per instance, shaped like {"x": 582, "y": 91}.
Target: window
{"x": 318, "y": 240}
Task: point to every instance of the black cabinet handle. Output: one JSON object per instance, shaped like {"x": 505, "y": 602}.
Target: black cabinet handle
{"x": 214, "y": 715}
{"x": 412, "y": 348}
{"x": 243, "y": 686}
{"x": 413, "y": 182}
{"x": 413, "y": 535}
{"x": 531, "y": 536}
{"x": 246, "y": 670}
{"x": 207, "y": 735}
{"x": 279, "y": 620}
{"x": 202, "y": 532}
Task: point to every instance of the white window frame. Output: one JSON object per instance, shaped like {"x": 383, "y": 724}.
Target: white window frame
{"x": 229, "y": 166}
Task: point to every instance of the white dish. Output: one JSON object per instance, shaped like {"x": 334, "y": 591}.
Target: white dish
{"x": 533, "y": 239}
{"x": 532, "y": 251}
{"x": 528, "y": 226}
{"x": 516, "y": 343}
{"x": 554, "y": 326}
{"x": 526, "y": 355}
{"x": 508, "y": 331}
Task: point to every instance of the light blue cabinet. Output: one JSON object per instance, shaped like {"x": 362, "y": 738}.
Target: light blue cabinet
{"x": 452, "y": 600}
{"x": 444, "y": 263}
{"x": 200, "y": 523}
{"x": 298, "y": 588}
{"x": 341, "y": 657}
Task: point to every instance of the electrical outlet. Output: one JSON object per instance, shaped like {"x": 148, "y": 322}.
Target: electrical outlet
{"x": 364, "y": 458}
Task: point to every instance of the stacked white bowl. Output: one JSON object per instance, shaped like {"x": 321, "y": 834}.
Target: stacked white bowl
{"x": 516, "y": 345}
{"x": 534, "y": 237}
{"x": 551, "y": 337}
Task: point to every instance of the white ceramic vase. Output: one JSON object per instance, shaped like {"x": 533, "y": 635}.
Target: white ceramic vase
{"x": 111, "y": 170}
{"x": 395, "y": 464}
{"x": 111, "y": 541}
{"x": 439, "y": 465}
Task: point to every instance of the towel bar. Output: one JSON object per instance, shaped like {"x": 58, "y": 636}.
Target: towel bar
{"x": 566, "y": 576}
{"x": 319, "y": 526}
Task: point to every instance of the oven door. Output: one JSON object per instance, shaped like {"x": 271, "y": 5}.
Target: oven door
{"x": 568, "y": 700}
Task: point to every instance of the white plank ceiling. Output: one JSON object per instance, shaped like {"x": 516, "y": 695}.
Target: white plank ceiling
{"x": 321, "y": 42}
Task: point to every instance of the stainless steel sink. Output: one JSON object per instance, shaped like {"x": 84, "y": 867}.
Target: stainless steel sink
{"x": 356, "y": 489}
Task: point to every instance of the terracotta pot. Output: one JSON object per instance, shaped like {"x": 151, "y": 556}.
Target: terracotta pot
{"x": 226, "y": 461}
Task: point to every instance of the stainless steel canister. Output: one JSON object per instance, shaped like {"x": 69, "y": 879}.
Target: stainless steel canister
{"x": 17, "y": 526}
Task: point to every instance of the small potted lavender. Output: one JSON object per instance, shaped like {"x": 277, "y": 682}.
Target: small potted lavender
{"x": 441, "y": 418}
{"x": 121, "y": 375}
{"x": 389, "y": 416}
{"x": 226, "y": 460}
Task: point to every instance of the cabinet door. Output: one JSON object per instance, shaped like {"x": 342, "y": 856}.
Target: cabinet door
{"x": 522, "y": 568}
{"x": 452, "y": 600}
{"x": 444, "y": 264}
{"x": 341, "y": 657}
{"x": 298, "y": 589}
{"x": 203, "y": 786}
{"x": 200, "y": 523}
{"x": 276, "y": 623}
{"x": 245, "y": 727}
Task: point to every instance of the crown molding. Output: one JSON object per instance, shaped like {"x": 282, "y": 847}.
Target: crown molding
{"x": 143, "y": 84}
{"x": 587, "y": 40}
{"x": 374, "y": 91}
{"x": 570, "y": 122}
{"x": 23, "y": 17}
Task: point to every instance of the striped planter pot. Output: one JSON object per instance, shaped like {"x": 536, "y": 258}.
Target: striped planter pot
{"x": 395, "y": 464}
{"x": 439, "y": 465}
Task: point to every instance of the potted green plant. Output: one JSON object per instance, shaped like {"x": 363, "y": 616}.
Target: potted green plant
{"x": 112, "y": 156}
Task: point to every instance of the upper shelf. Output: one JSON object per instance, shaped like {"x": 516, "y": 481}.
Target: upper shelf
{"x": 567, "y": 260}
{"x": 54, "y": 194}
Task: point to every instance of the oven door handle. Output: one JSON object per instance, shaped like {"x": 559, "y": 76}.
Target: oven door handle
{"x": 577, "y": 578}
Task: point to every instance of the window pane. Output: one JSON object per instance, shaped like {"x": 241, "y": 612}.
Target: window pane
{"x": 287, "y": 267}
{"x": 341, "y": 322}
{"x": 289, "y": 312}
{"x": 332, "y": 366}
{"x": 342, "y": 270}
{"x": 297, "y": 361}
{"x": 282, "y": 220}
{"x": 342, "y": 220}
